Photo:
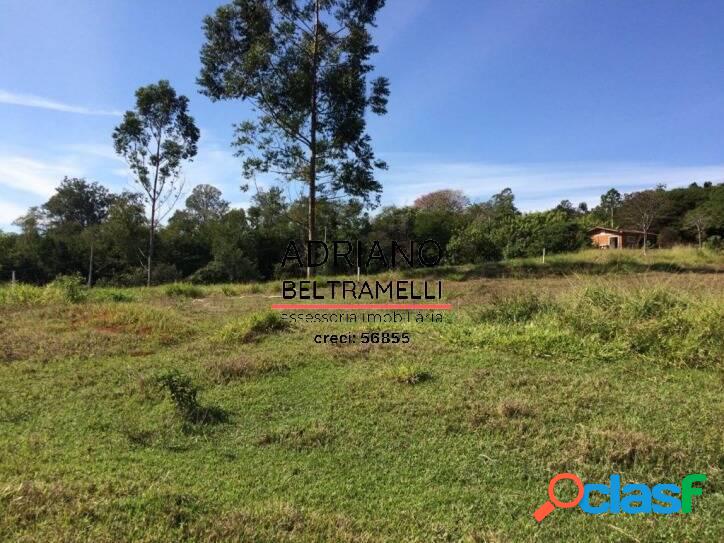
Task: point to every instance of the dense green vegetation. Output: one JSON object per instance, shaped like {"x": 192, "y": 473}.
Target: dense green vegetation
{"x": 207, "y": 242}
{"x": 187, "y": 413}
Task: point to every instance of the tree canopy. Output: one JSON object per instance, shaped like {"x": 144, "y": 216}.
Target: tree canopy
{"x": 209, "y": 241}
{"x": 304, "y": 65}
{"x": 155, "y": 139}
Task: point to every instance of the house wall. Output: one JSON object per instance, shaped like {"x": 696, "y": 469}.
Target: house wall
{"x": 629, "y": 241}
{"x": 603, "y": 239}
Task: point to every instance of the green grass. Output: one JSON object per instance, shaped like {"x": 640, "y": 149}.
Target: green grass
{"x": 590, "y": 262}
{"x": 603, "y": 323}
{"x": 131, "y": 415}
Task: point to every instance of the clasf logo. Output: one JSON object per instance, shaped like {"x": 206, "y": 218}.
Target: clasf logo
{"x": 663, "y": 499}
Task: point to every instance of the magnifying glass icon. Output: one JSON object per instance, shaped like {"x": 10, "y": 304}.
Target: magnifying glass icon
{"x": 547, "y": 508}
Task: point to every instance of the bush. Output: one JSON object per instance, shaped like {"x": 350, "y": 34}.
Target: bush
{"x": 252, "y": 328}
{"x": 213, "y": 272}
{"x": 182, "y": 390}
{"x": 67, "y": 288}
{"x": 183, "y": 290}
{"x": 184, "y": 393}
{"x": 474, "y": 245}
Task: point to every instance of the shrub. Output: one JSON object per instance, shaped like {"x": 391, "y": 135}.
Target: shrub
{"x": 252, "y": 328}
{"x": 473, "y": 244}
{"x": 67, "y": 288}
{"x": 183, "y": 290}
{"x": 213, "y": 272}
{"x": 184, "y": 393}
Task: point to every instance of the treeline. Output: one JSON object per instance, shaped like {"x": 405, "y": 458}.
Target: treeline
{"x": 85, "y": 229}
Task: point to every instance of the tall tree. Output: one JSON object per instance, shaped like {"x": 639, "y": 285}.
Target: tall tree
{"x": 120, "y": 235}
{"x": 31, "y": 252}
{"x": 154, "y": 139}
{"x": 206, "y": 203}
{"x": 453, "y": 201}
{"x": 78, "y": 202}
{"x": 503, "y": 204}
{"x": 303, "y": 64}
{"x": 76, "y": 209}
{"x": 610, "y": 203}
{"x": 698, "y": 219}
{"x": 643, "y": 209}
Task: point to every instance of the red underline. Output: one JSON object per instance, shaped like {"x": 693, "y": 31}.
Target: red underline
{"x": 419, "y": 307}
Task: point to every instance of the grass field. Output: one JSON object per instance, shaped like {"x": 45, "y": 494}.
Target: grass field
{"x": 594, "y": 363}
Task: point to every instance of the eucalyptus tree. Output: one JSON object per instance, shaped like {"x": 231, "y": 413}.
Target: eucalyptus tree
{"x": 155, "y": 139}
{"x": 304, "y": 66}
{"x": 610, "y": 203}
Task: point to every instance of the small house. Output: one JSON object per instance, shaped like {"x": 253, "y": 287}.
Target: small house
{"x": 616, "y": 238}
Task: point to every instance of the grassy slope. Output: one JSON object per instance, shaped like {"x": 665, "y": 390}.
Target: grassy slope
{"x": 328, "y": 443}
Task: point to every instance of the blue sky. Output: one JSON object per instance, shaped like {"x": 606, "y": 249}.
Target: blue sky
{"x": 555, "y": 99}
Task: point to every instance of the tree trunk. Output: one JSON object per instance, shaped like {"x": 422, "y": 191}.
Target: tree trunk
{"x": 90, "y": 266}
{"x": 154, "y": 201}
{"x": 313, "y": 146}
{"x": 645, "y": 240}
{"x": 151, "y": 240}
{"x": 698, "y": 234}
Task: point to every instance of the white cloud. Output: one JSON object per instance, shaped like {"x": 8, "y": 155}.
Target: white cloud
{"x": 9, "y": 212}
{"x": 29, "y": 100}
{"x": 32, "y": 175}
{"x": 100, "y": 150}
{"x": 536, "y": 186}
{"x": 28, "y": 178}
